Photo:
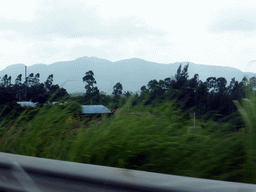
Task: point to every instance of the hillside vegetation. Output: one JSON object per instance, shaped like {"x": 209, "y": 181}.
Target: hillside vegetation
{"x": 133, "y": 138}
{"x": 152, "y": 130}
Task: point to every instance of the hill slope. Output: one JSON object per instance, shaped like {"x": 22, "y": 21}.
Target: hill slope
{"x": 132, "y": 73}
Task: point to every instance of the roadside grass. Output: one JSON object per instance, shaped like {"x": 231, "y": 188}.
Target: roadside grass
{"x": 133, "y": 138}
{"x": 247, "y": 109}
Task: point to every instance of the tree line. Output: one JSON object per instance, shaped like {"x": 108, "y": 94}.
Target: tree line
{"x": 30, "y": 89}
{"x": 214, "y": 96}
{"x": 93, "y": 96}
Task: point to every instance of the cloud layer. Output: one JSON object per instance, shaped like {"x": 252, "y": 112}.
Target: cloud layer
{"x": 44, "y": 31}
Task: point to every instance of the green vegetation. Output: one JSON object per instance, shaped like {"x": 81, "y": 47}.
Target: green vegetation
{"x": 30, "y": 90}
{"x": 149, "y": 131}
{"x": 134, "y": 139}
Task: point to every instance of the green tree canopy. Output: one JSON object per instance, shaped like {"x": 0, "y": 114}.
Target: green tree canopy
{"x": 91, "y": 91}
{"x": 117, "y": 91}
{"x": 48, "y": 83}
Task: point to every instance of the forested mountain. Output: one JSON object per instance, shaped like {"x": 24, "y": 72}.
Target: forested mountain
{"x": 131, "y": 73}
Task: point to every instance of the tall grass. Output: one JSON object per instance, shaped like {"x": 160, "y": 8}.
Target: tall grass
{"x": 247, "y": 109}
{"x": 132, "y": 139}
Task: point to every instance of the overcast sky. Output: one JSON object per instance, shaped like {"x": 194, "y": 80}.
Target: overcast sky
{"x": 203, "y": 32}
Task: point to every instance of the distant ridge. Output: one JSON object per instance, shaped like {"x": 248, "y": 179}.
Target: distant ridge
{"x": 131, "y": 73}
{"x": 15, "y": 65}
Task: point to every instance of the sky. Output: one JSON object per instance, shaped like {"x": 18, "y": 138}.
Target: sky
{"x": 164, "y": 31}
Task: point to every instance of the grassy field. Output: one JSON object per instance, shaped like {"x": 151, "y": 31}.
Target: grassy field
{"x": 134, "y": 139}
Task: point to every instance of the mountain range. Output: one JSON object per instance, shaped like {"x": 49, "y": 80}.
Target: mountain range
{"x": 131, "y": 73}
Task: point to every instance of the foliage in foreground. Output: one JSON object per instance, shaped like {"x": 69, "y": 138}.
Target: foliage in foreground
{"x": 133, "y": 139}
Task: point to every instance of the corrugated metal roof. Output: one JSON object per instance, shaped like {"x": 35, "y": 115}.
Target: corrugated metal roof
{"x": 92, "y": 109}
{"x": 27, "y": 104}
{"x": 86, "y": 109}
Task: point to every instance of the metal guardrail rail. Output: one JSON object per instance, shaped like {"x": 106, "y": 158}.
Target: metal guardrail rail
{"x": 23, "y": 173}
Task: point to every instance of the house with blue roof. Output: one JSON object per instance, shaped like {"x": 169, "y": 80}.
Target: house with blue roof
{"x": 94, "y": 109}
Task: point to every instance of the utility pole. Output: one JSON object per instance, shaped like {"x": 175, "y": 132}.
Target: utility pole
{"x": 25, "y": 83}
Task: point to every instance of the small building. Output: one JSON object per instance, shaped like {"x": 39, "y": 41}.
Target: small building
{"x": 94, "y": 109}
{"x": 91, "y": 112}
{"x": 87, "y": 110}
{"x": 27, "y": 104}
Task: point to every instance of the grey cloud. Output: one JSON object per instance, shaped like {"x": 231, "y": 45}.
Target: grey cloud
{"x": 71, "y": 22}
{"x": 235, "y": 25}
{"x": 239, "y": 20}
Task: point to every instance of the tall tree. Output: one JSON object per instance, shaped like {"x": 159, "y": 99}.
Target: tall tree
{"x": 231, "y": 86}
{"x": 90, "y": 89}
{"x": 181, "y": 77}
{"x": 222, "y": 96}
{"x": 18, "y": 79}
{"x": 117, "y": 91}
{"x": 245, "y": 81}
{"x": 6, "y": 81}
{"x": 221, "y": 85}
{"x": 9, "y": 81}
{"x": 156, "y": 89}
{"x": 143, "y": 89}
{"x": 48, "y": 83}
{"x": 184, "y": 74}
{"x": 19, "y": 88}
{"x": 96, "y": 97}
{"x": 211, "y": 84}
{"x": 127, "y": 94}
{"x": 36, "y": 79}
{"x": 189, "y": 96}
{"x": 30, "y": 80}
{"x": 60, "y": 93}
{"x": 178, "y": 74}
{"x": 232, "y": 93}
{"x": 152, "y": 85}
{"x": 201, "y": 96}
{"x": 168, "y": 83}
{"x": 252, "y": 84}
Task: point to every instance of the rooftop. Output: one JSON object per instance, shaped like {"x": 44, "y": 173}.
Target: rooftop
{"x": 94, "y": 109}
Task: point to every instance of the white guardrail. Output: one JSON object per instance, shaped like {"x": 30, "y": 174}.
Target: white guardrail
{"x": 23, "y": 173}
